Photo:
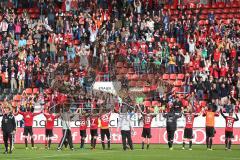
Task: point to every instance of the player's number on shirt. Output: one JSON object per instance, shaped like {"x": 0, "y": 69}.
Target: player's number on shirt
{"x": 147, "y": 119}
{"x": 93, "y": 121}
{"x": 105, "y": 118}
{"x": 82, "y": 123}
{"x": 229, "y": 123}
{"x": 189, "y": 119}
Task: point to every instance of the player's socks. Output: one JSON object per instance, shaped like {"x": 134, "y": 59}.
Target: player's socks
{"x": 6, "y": 147}
{"x": 26, "y": 143}
{"x": 190, "y": 144}
{"x": 147, "y": 146}
{"x": 109, "y": 144}
{"x": 32, "y": 142}
{"x": 103, "y": 145}
{"x": 65, "y": 144}
{"x": 210, "y": 146}
{"x": 169, "y": 144}
{"x": 229, "y": 144}
{"x": 91, "y": 142}
{"x": 49, "y": 143}
{"x": 207, "y": 142}
{"x": 94, "y": 143}
{"x": 226, "y": 143}
{"x": 82, "y": 143}
{"x": 46, "y": 144}
{"x": 183, "y": 145}
{"x": 142, "y": 145}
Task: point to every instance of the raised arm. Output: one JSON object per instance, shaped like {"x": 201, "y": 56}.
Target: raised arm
{"x": 35, "y": 114}
{"x": 20, "y": 112}
{"x": 165, "y": 115}
{"x": 222, "y": 114}
{"x": 179, "y": 116}
{"x": 236, "y": 119}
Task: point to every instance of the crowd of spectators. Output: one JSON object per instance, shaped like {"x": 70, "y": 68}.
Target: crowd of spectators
{"x": 148, "y": 36}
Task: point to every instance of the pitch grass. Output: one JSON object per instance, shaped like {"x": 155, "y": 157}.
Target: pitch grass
{"x": 156, "y": 152}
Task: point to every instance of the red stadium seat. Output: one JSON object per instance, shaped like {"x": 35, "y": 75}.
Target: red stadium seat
{"x": 140, "y": 83}
{"x": 76, "y": 42}
{"x": 165, "y": 77}
{"x": 28, "y": 91}
{"x": 175, "y": 89}
{"x": 135, "y": 77}
{"x": 173, "y": 76}
{"x": 153, "y": 87}
{"x": 155, "y": 103}
{"x": 178, "y": 83}
{"x": 146, "y": 89}
{"x": 31, "y": 10}
{"x": 132, "y": 84}
{"x": 35, "y": 91}
{"x": 180, "y": 76}
{"x": 147, "y": 103}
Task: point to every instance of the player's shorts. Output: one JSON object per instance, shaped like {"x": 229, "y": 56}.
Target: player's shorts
{"x": 170, "y": 134}
{"x": 229, "y": 134}
{"x": 49, "y": 133}
{"x": 27, "y": 130}
{"x": 146, "y": 133}
{"x": 188, "y": 133}
{"x": 83, "y": 133}
{"x": 210, "y": 131}
{"x": 93, "y": 132}
{"x": 105, "y": 132}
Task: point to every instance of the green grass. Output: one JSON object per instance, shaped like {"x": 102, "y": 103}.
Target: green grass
{"x": 156, "y": 152}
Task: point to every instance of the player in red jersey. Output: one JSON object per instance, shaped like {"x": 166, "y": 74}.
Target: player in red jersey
{"x": 229, "y": 128}
{"x": 105, "y": 119}
{"x": 83, "y": 126}
{"x": 188, "y": 130}
{"x": 50, "y": 117}
{"x": 28, "y": 123}
{"x": 146, "y": 132}
{"x": 94, "y": 128}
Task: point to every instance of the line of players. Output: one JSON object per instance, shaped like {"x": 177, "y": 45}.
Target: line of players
{"x": 103, "y": 117}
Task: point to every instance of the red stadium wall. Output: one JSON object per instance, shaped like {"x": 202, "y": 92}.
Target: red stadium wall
{"x": 158, "y": 136}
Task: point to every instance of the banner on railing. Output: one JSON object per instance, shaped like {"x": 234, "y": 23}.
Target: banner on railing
{"x": 105, "y": 87}
{"x": 159, "y": 135}
{"x": 159, "y": 121}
